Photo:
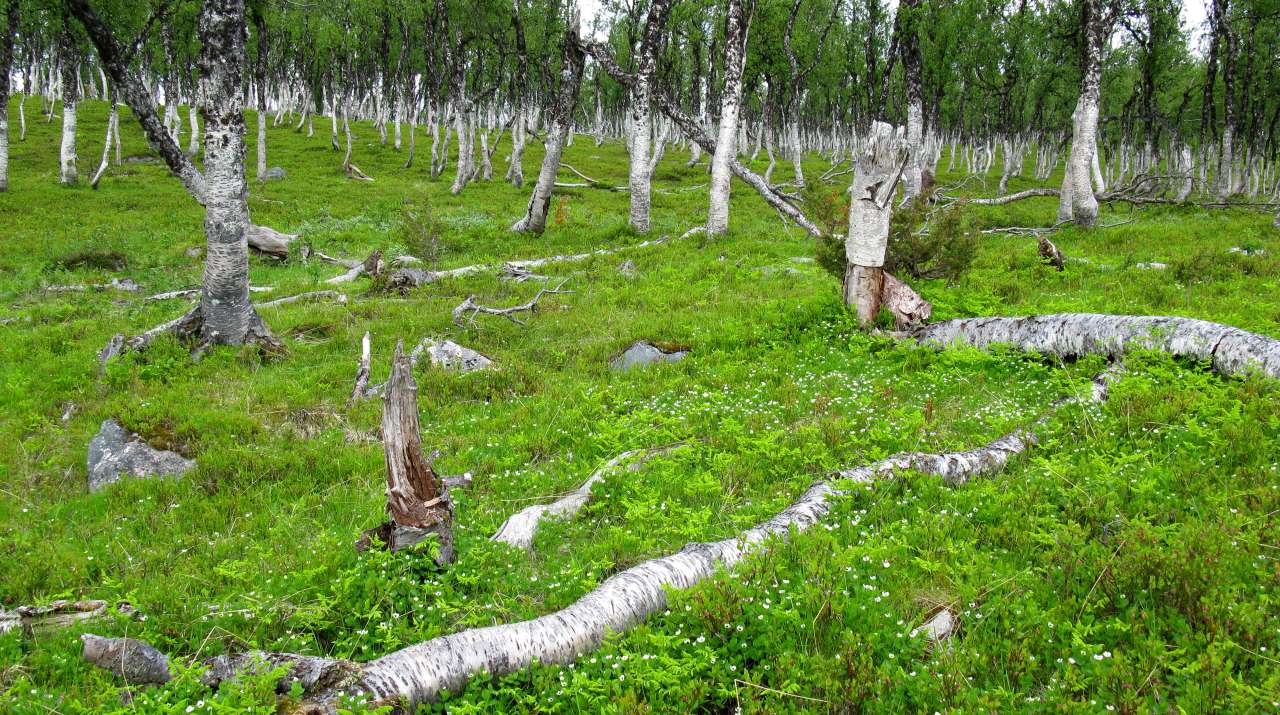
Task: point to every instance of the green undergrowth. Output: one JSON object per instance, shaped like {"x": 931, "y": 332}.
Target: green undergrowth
{"x": 1129, "y": 562}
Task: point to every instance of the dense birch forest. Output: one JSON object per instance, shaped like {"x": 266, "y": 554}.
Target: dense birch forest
{"x": 639, "y": 356}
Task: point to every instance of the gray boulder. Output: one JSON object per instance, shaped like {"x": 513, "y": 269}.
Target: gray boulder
{"x": 115, "y": 453}
{"x": 641, "y": 353}
{"x": 628, "y": 269}
{"x": 275, "y": 173}
{"x": 449, "y": 355}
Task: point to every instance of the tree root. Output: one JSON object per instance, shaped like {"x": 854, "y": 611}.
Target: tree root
{"x": 519, "y": 529}
{"x": 188, "y": 327}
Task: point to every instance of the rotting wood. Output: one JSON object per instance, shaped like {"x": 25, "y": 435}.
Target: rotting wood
{"x": 361, "y": 389}
{"x": 58, "y": 614}
{"x": 417, "y": 501}
{"x": 1050, "y": 253}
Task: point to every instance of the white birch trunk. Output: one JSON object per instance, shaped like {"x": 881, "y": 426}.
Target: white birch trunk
{"x": 876, "y": 172}
{"x": 67, "y": 173}
{"x": 736, "y": 31}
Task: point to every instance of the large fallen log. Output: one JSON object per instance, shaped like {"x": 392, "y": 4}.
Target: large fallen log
{"x": 1231, "y": 351}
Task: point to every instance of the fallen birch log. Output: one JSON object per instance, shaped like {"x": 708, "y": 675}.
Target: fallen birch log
{"x": 193, "y": 292}
{"x": 58, "y": 614}
{"x": 269, "y": 241}
{"x": 519, "y": 529}
{"x": 126, "y": 285}
{"x": 311, "y": 295}
{"x": 1231, "y": 351}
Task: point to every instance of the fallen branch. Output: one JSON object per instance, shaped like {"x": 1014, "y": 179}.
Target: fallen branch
{"x": 127, "y": 285}
{"x": 371, "y": 266}
{"x": 269, "y": 241}
{"x": 353, "y": 172}
{"x": 312, "y": 295}
{"x": 519, "y": 529}
{"x": 59, "y": 614}
{"x": 473, "y": 308}
{"x": 407, "y": 278}
{"x": 193, "y": 292}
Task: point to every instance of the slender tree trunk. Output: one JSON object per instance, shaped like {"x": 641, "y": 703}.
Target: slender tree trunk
{"x": 1084, "y": 140}
{"x": 640, "y": 175}
{"x": 113, "y": 121}
{"x": 870, "y": 208}
{"x": 193, "y": 121}
{"x": 911, "y": 66}
{"x": 70, "y": 97}
{"x": 561, "y": 124}
{"x": 6, "y": 67}
{"x": 228, "y": 316}
{"x": 736, "y": 30}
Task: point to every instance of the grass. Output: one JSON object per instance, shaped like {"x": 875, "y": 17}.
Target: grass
{"x": 1129, "y": 563}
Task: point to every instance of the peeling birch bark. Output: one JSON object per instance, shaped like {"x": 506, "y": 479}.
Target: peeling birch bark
{"x": 878, "y": 166}
{"x": 70, "y": 97}
{"x": 519, "y": 529}
{"x": 735, "y": 56}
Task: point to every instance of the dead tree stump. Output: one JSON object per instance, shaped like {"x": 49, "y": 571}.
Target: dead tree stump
{"x": 417, "y": 502}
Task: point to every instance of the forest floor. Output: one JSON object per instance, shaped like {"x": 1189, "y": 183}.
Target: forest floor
{"x": 1129, "y": 563}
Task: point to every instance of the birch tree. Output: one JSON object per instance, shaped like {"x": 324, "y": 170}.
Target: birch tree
{"x": 737, "y": 26}
{"x": 561, "y": 123}
{"x": 6, "y": 69}
{"x": 1077, "y": 201}
{"x": 68, "y": 58}
{"x": 877, "y": 169}
{"x": 639, "y": 137}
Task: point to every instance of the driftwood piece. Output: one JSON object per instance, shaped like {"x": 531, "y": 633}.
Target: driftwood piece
{"x": 468, "y": 309}
{"x": 371, "y": 266}
{"x": 269, "y": 241}
{"x": 137, "y": 662}
{"x": 416, "y": 499}
{"x": 519, "y": 529}
{"x": 313, "y": 673}
{"x": 361, "y": 389}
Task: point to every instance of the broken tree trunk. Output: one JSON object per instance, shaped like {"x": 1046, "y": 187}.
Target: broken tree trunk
{"x": 519, "y": 529}
{"x": 416, "y": 499}
{"x": 361, "y": 389}
{"x": 878, "y": 167}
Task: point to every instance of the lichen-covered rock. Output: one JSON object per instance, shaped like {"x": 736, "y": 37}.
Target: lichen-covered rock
{"x": 451, "y": 356}
{"x": 275, "y": 173}
{"x": 628, "y": 269}
{"x": 641, "y": 353}
{"x": 115, "y": 453}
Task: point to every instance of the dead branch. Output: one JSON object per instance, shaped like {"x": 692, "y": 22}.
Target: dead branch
{"x": 313, "y": 295}
{"x": 58, "y": 614}
{"x": 353, "y": 172}
{"x": 193, "y": 292}
{"x": 127, "y": 285}
{"x": 468, "y": 309}
{"x": 1050, "y": 253}
{"x": 269, "y": 241}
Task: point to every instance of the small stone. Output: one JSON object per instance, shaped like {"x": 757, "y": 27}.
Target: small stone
{"x": 275, "y": 173}
{"x": 452, "y": 356}
{"x": 195, "y": 251}
{"x": 938, "y": 628}
{"x": 802, "y": 259}
{"x": 641, "y": 353}
{"x": 115, "y": 453}
{"x": 628, "y": 269}
{"x": 1152, "y": 265}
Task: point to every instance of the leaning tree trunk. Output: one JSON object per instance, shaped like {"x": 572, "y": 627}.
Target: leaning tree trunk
{"x": 535, "y": 218}
{"x": 416, "y": 499}
{"x": 735, "y": 56}
{"x": 228, "y": 316}
{"x": 70, "y": 97}
{"x": 6, "y": 66}
{"x": 876, "y": 172}
{"x": 1084, "y": 140}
